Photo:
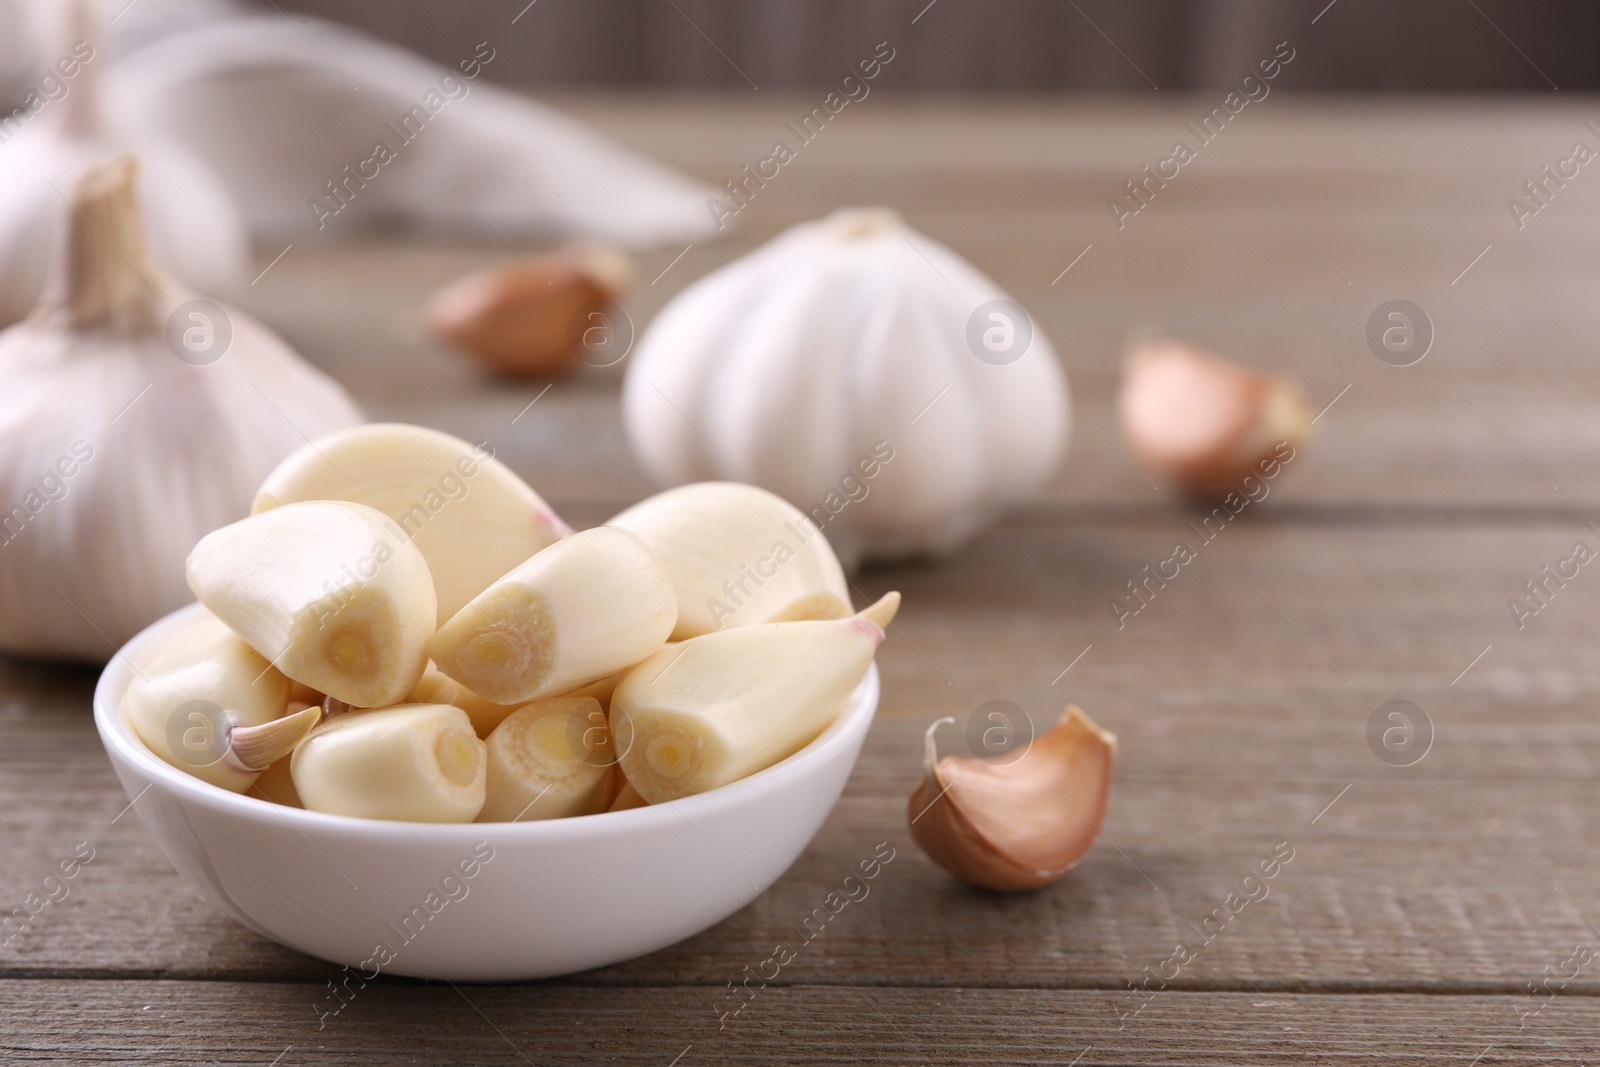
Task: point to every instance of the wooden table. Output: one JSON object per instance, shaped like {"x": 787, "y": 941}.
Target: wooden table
{"x": 1421, "y": 901}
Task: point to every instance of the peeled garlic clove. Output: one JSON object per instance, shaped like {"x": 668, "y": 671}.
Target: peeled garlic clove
{"x": 628, "y": 798}
{"x": 529, "y": 318}
{"x": 1019, "y": 824}
{"x": 550, "y": 760}
{"x": 585, "y": 607}
{"x": 276, "y": 785}
{"x": 725, "y": 705}
{"x": 333, "y": 592}
{"x": 436, "y": 687}
{"x": 412, "y": 763}
{"x": 601, "y": 690}
{"x": 471, "y": 517}
{"x": 301, "y": 693}
{"x": 1204, "y": 422}
{"x": 202, "y": 687}
{"x": 738, "y": 555}
{"x": 122, "y": 447}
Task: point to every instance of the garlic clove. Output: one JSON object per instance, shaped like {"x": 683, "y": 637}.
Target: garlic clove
{"x": 586, "y": 607}
{"x": 528, "y": 319}
{"x": 1020, "y": 824}
{"x": 724, "y": 705}
{"x": 600, "y": 690}
{"x": 124, "y": 447}
{"x": 255, "y": 748}
{"x": 411, "y": 762}
{"x": 197, "y": 694}
{"x": 436, "y": 687}
{"x": 1204, "y": 422}
{"x": 628, "y": 797}
{"x": 333, "y": 592}
{"x": 276, "y": 785}
{"x": 303, "y": 694}
{"x": 550, "y": 760}
{"x": 718, "y": 540}
{"x": 469, "y": 514}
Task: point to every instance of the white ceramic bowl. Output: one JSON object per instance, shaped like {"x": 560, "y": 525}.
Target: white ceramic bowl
{"x": 553, "y": 897}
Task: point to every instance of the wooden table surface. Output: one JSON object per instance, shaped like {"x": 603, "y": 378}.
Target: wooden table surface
{"x": 1421, "y": 902}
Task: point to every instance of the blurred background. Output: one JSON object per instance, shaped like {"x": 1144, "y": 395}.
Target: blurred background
{"x": 1008, "y": 45}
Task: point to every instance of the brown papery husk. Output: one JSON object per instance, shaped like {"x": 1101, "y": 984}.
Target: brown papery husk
{"x": 522, "y": 320}
{"x": 1019, "y": 825}
{"x": 1251, "y": 414}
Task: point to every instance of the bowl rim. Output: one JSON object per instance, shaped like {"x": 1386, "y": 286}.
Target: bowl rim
{"x": 116, "y": 735}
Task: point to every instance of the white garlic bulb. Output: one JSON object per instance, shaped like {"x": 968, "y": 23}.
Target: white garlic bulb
{"x": 865, "y": 373}
{"x": 134, "y": 419}
{"x": 60, "y": 131}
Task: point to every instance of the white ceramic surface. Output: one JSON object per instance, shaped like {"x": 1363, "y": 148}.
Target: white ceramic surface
{"x": 556, "y": 897}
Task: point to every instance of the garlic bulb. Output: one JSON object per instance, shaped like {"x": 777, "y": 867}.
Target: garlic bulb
{"x": 133, "y": 420}
{"x": 195, "y": 228}
{"x": 863, "y": 372}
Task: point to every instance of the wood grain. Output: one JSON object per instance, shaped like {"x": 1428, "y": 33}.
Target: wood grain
{"x": 189, "y": 1022}
{"x": 1421, "y": 901}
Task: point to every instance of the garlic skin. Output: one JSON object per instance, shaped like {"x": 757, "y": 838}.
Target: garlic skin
{"x": 1203, "y": 422}
{"x": 787, "y": 366}
{"x": 119, "y": 456}
{"x": 195, "y": 228}
{"x": 1015, "y": 824}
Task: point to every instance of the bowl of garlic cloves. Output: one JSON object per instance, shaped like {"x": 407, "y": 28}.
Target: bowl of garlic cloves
{"x": 417, "y": 725}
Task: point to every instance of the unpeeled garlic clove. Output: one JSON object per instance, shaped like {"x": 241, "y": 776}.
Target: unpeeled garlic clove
{"x": 584, "y": 608}
{"x": 469, "y": 514}
{"x": 550, "y": 760}
{"x": 1204, "y": 422}
{"x": 528, "y": 319}
{"x": 333, "y": 592}
{"x": 253, "y": 749}
{"x": 738, "y": 555}
{"x": 1013, "y": 824}
{"x": 198, "y": 694}
{"x": 411, "y": 762}
{"x": 724, "y": 705}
